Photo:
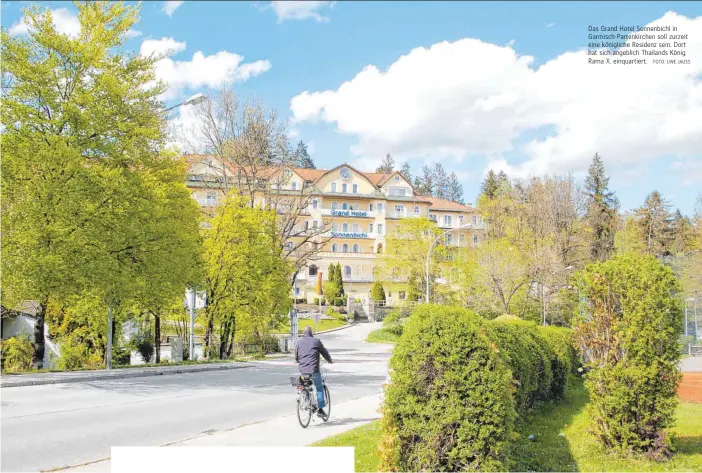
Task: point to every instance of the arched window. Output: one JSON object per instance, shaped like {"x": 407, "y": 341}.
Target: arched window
{"x": 335, "y": 227}
{"x": 335, "y": 205}
{"x": 354, "y": 206}
{"x": 335, "y": 248}
{"x": 313, "y": 270}
{"x": 347, "y": 271}
{"x": 345, "y": 248}
{"x": 416, "y": 209}
{"x": 345, "y": 206}
{"x": 380, "y": 248}
{"x": 475, "y": 239}
{"x": 371, "y": 206}
{"x": 345, "y": 227}
{"x": 355, "y": 248}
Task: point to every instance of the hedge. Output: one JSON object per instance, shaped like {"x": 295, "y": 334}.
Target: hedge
{"x": 457, "y": 383}
{"x": 448, "y": 406}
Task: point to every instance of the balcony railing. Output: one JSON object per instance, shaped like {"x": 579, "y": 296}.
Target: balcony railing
{"x": 346, "y": 254}
{"x": 468, "y": 226}
{"x": 206, "y": 202}
{"x": 403, "y": 214}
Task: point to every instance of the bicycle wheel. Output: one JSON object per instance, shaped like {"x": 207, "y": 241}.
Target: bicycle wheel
{"x": 327, "y": 404}
{"x": 304, "y": 409}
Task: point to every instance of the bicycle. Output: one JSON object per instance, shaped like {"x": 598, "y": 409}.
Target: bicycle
{"x": 307, "y": 398}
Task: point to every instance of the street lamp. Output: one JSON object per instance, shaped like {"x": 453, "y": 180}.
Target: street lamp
{"x": 543, "y": 292}
{"x": 194, "y": 100}
{"x": 431, "y": 247}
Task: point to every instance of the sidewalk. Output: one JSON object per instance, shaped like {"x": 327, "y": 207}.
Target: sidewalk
{"x": 280, "y": 432}
{"x": 17, "y": 380}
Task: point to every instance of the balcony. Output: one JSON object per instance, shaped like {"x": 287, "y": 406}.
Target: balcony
{"x": 403, "y": 214}
{"x": 341, "y": 254}
{"x": 361, "y": 278}
{"x": 206, "y": 202}
{"x": 348, "y": 213}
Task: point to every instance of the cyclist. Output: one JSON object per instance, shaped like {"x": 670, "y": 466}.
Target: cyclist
{"x": 307, "y": 356}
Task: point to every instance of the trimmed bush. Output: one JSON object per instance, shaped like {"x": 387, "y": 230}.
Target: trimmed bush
{"x": 16, "y": 353}
{"x": 377, "y": 291}
{"x": 631, "y": 339}
{"x": 448, "y": 406}
{"x": 394, "y": 321}
{"x": 565, "y": 361}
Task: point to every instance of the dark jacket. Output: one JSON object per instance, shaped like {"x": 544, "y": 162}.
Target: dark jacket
{"x": 307, "y": 354}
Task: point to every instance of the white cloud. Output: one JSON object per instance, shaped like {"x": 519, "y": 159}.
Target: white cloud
{"x": 216, "y": 70}
{"x": 65, "y": 21}
{"x": 291, "y": 10}
{"x": 163, "y": 46}
{"x": 169, "y": 7}
{"x": 133, "y": 34}
{"x": 470, "y": 97}
{"x": 549, "y": 25}
{"x": 689, "y": 170}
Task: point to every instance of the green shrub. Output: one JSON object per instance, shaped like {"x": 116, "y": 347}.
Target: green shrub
{"x": 394, "y": 321}
{"x": 76, "y": 356}
{"x": 333, "y": 313}
{"x": 631, "y": 339}
{"x": 448, "y": 406}
{"x": 565, "y": 361}
{"x": 377, "y": 291}
{"x": 340, "y": 301}
{"x": 316, "y": 301}
{"x": 16, "y": 353}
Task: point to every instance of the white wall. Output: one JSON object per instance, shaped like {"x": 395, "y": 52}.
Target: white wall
{"x": 13, "y": 326}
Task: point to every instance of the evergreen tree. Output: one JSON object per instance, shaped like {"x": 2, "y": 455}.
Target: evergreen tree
{"x": 455, "y": 189}
{"x": 302, "y": 157}
{"x": 441, "y": 189}
{"x": 428, "y": 183}
{"x": 339, "y": 281}
{"x": 387, "y": 166}
{"x": 601, "y": 214}
{"x": 682, "y": 234}
{"x": 503, "y": 182}
{"x": 654, "y": 221}
{"x": 377, "y": 291}
{"x": 406, "y": 173}
{"x": 418, "y": 185}
{"x": 490, "y": 185}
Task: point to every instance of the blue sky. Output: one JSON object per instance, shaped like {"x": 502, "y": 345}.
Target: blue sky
{"x": 472, "y": 105}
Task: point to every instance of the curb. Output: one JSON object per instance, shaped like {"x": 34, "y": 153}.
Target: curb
{"x": 352, "y": 324}
{"x": 121, "y": 375}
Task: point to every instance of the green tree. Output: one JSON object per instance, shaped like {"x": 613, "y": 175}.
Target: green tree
{"x": 302, "y": 157}
{"x": 377, "y": 291}
{"x": 83, "y": 123}
{"x": 406, "y": 172}
{"x": 387, "y": 166}
{"x": 654, "y": 221}
{"x": 601, "y": 214}
{"x": 339, "y": 281}
{"x": 490, "y": 185}
{"x": 441, "y": 180}
{"x": 455, "y": 189}
{"x": 629, "y": 336}
{"x": 247, "y": 281}
{"x": 682, "y": 234}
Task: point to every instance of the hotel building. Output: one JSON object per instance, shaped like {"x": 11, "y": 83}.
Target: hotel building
{"x": 359, "y": 209}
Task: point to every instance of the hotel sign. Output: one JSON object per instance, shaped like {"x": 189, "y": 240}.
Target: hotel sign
{"x": 349, "y": 235}
{"x": 349, "y": 213}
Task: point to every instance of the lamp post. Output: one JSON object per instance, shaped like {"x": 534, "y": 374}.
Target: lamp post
{"x": 194, "y": 100}
{"x": 543, "y": 292}
{"x": 431, "y": 247}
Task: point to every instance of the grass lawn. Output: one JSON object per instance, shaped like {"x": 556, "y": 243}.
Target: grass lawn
{"x": 382, "y": 335}
{"x": 323, "y": 325}
{"x": 575, "y": 450}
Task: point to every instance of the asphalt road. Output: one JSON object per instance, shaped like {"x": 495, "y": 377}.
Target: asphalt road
{"x": 56, "y": 426}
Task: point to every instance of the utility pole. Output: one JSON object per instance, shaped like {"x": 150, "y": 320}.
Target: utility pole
{"x": 108, "y": 355}
{"x": 191, "y": 348}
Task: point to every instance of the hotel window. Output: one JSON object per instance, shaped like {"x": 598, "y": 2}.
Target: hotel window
{"x": 344, "y": 188}
{"x": 313, "y": 270}
{"x": 398, "y": 191}
{"x": 345, "y": 206}
{"x": 397, "y": 178}
{"x": 432, "y": 217}
{"x": 370, "y": 206}
{"x": 460, "y": 220}
{"x": 293, "y": 186}
{"x": 314, "y": 224}
{"x": 399, "y": 208}
{"x": 355, "y": 248}
{"x": 475, "y": 240}
{"x": 354, "y": 206}
{"x": 307, "y": 225}
{"x": 335, "y": 205}
{"x": 355, "y": 188}
{"x": 463, "y": 240}
{"x": 449, "y": 239}
{"x": 345, "y": 227}
{"x": 403, "y": 295}
{"x": 212, "y": 198}
{"x": 335, "y": 227}
{"x": 380, "y": 229}
{"x": 356, "y": 228}
{"x": 335, "y": 248}
{"x": 297, "y": 291}
{"x": 416, "y": 210}
{"x": 380, "y": 207}
{"x": 345, "y": 248}
{"x": 370, "y": 228}
{"x": 333, "y": 186}
{"x": 447, "y": 220}
{"x": 475, "y": 220}
{"x": 315, "y": 204}
{"x": 347, "y": 271}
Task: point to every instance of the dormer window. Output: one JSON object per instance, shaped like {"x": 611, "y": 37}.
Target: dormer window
{"x": 397, "y": 178}
{"x": 333, "y": 186}
{"x": 355, "y": 188}
{"x": 344, "y": 188}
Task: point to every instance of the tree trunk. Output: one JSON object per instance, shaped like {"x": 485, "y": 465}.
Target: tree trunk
{"x": 223, "y": 339}
{"x": 230, "y": 348}
{"x": 39, "y": 342}
{"x": 157, "y": 337}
